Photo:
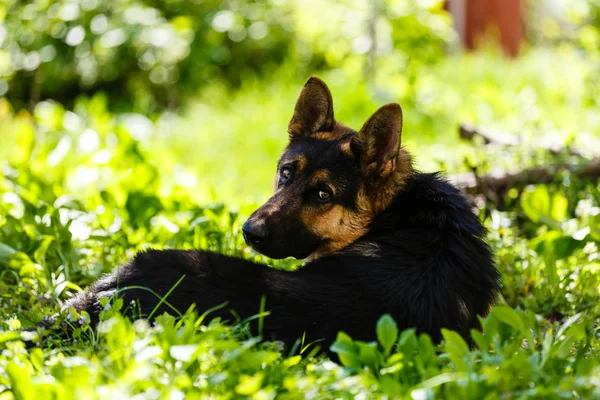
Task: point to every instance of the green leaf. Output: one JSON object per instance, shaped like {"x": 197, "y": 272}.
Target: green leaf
{"x": 395, "y": 358}
{"x": 457, "y": 349}
{"x": 20, "y": 380}
{"x": 547, "y": 346}
{"x": 595, "y": 227}
{"x": 36, "y": 356}
{"x": 556, "y": 243}
{"x": 456, "y": 342}
{"x": 9, "y": 336}
{"x": 426, "y": 347}
{"x": 73, "y": 314}
{"x": 387, "y": 332}
{"x": 5, "y": 253}
{"x": 249, "y": 384}
{"x": 408, "y": 342}
{"x": 509, "y": 316}
{"x": 536, "y": 203}
{"x": 346, "y": 350}
{"x": 559, "y": 207}
{"x": 393, "y": 364}
{"x": 368, "y": 355}
{"x": 567, "y": 324}
{"x": 39, "y": 255}
{"x": 290, "y": 362}
{"x": 480, "y": 340}
{"x": 391, "y": 386}
{"x": 566, "y": 246}
{"x": 550, "y": 269}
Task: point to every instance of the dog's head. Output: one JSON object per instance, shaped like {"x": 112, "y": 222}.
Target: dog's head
{"x": 331, "y": 180}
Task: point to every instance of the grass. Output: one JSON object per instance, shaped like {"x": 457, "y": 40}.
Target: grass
{"x": 84, "y": 189}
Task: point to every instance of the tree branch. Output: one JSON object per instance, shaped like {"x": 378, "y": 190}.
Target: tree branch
{"x": 493, "y": 186}
{"x": 491, "y": 137}
{"x": 500, "y": 182}
{"x": 470, "y": 132}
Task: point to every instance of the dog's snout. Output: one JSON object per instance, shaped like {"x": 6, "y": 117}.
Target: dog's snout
{"x": 254, "y": 233}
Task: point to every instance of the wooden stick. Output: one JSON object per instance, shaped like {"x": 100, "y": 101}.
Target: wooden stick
{"x": 493, "y": 186}
{"x": 500, "y": 182}
{"x": 470, "y": 132}
{"x": 491, "y": 137}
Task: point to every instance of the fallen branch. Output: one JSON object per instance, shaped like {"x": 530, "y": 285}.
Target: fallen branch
{"x": 498, "y": 183}
{"x": 470, "y": 132}
{"x": 493, "y": 186}
{"x": 492, "y": 137}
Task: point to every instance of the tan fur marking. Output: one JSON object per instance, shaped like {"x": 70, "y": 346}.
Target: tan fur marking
{"x": 331, "y": 136}
{"x": 328, "y": 225}
{"x": 294, "y": 128}
{"x": 339, "y": 132}
{"x": 393, "y": 180}
{"x": 321, "y": 176}
{"x": 463, "y": 309}
{"x": 301, "y": 161}
{"x": 345, "y": 147}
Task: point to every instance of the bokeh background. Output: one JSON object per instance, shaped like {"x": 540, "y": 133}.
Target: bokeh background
{"x": 129, "y": 124}
{"x": 203, "y": 90}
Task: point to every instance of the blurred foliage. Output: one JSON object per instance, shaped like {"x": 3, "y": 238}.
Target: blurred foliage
{"x": 96, "y": 166}
{"x": 140, "y": 52}
{"x": 558, "y": 22}
{"x": 148, "y": 54}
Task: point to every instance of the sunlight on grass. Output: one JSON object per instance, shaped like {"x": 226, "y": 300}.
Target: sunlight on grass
{"x": 230, "y": 142}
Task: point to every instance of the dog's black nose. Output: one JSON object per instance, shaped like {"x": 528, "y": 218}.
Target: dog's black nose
{"x": 254, "y": 233}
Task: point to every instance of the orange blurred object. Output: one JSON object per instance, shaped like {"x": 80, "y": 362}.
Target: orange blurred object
{"x": 474, "y": 19}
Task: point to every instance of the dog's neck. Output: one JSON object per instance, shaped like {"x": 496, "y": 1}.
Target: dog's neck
{"x": 382, "y": 195}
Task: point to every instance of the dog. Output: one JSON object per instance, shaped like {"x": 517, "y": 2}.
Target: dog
{"x": 377, "y": 236}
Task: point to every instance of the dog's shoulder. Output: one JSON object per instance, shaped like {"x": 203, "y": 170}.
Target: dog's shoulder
{"x": 430, "y": 201}
{"x": 429, "y": 224}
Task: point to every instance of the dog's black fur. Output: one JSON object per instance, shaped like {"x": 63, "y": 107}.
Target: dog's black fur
{"x": 424, "y": 261}
{"x": 379, "y": 237}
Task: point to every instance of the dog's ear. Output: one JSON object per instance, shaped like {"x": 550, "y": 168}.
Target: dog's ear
{"x": 314, "y": 110}
{"x": 378, "y": 141}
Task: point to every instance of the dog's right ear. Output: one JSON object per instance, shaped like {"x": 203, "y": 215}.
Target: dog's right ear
{"x": 378, "y": 141}
{"x": 314, "y": 110}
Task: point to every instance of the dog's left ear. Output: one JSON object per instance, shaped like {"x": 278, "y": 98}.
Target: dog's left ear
{"x": 378, "y": 141}
{"x": 314, "y": 110}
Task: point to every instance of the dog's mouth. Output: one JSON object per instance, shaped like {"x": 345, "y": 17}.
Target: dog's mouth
{"x": 277, "y": 254}
{"x": 277, "y": 250}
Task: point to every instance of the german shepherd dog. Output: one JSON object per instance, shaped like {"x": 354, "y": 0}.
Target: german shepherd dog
{"x": 377, "y": 236}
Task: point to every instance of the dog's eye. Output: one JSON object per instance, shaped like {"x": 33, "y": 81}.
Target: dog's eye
{"x": 324, "y": 195}
{"x": 286, "y": 174}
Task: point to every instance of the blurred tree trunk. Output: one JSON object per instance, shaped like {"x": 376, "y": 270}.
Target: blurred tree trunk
{"x": 370, "y": 61}
{"x": 34, "y": 89}
{"x": 476, "y": 19}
